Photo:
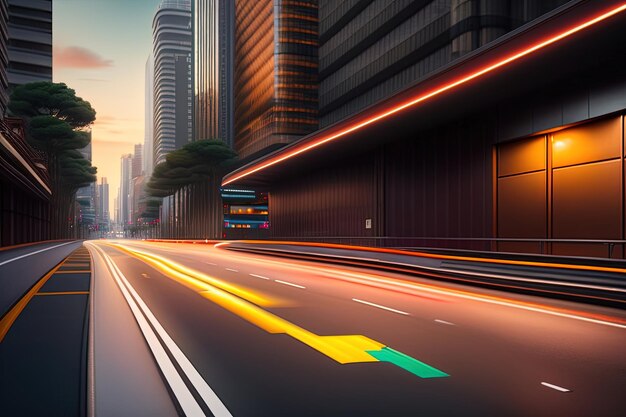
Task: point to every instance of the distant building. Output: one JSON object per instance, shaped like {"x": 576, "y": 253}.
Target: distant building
{"x": 213, "y": 29}
{"x": 86, "y": 196}
{"x": 124, "y": 190}
{"x": 136, "y": 170}
{"x": 171, "y": 35}
{"x": 102, "y": 204}
{"x": 30, "y": 41}
{"x": 275, "y": 76}
{"x": 148, "y": 142}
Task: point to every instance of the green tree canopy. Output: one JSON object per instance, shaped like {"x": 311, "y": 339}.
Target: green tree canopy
{"x": 56, "y": 120}
{"x": 195, "y": 162}
{"x": 44, "y": 98}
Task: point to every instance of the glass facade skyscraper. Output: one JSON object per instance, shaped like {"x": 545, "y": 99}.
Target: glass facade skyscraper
{"x": 213, "y": 22}
{"x": 171, "y": 35}
{"x": 275, "y": 73}
{"x": 30, "y": 41}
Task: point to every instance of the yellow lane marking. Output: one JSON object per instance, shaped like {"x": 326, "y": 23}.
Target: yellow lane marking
{"x": 73, "y": 271}
{"x": 194, "y": 279}
{"x": 9, "y": 318}
{"x": 343, "y": 348}
{"x": 63, "y": 293}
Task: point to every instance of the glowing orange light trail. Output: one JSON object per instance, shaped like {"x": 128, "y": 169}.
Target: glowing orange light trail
{"x": 463, "y": 80}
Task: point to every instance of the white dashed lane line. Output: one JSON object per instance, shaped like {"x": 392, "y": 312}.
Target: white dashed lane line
{"x": 445, "y": 322}
{"x": 232, "y": 270}
{"x": 393, "y": 310}
{"x": 259, "y": 276}
{"x": 555, "y": 387}
{"x": 289, "y": 283}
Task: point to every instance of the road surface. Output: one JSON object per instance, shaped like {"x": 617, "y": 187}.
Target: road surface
{"x": 249, "y": 335}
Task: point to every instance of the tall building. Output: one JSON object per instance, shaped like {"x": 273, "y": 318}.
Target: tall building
{"x": 148, "y": 143}
{"x": 4, "y": 57}
{"x": 369, "y": 50}
{"x": 470, "y": 124}
{"x": 30, "y": 41}
{"x": 213, "y": 31}
{"x": 124, "y": 200}
{"x": 275, "y": 74}
{"x": 137, "y": 170}
{"x": 86, "y": 196}
{"x": 173, "y": 95}
{"x": 102, "y": 205}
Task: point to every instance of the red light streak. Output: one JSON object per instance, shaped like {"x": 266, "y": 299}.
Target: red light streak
{"x": 426, "y": 96}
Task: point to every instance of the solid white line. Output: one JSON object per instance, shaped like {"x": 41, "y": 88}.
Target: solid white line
{"x": 183, "y": 395}
{"x": 233, "y": 270}
{"x": 445, "y": 322}
{"x": 259, "y": 276}
{"x": 289, "y": 283}
{"x": 33, "y": 253}
{"x": 379, "y": 306}
{"x": 208, "y": 395}
{"x": 556, "y": 387}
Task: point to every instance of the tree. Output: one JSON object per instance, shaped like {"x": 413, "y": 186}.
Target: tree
{"x": 56, "y": 121}
{"x": 196, "y": 169}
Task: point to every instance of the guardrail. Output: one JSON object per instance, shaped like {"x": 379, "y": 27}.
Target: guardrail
{"x": 544, "y": 246}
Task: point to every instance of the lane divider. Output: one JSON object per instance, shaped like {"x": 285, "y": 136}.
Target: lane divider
{"x": 555, "y": 387}
{"x": 147, "y": 322}
{"x": 343, "y": 349}
{"x": 291, "y": 284}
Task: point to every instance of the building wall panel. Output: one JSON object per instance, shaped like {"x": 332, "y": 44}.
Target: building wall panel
{"x": 439, "y": 184}
{"x": 587, "y": 143}
{"x": 587, "y": 203}
{"x": 522, "y": 156}
{"x": 329, "y": 202}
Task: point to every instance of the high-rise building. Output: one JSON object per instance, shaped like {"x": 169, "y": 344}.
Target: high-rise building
{"x": 86, "y": 196}
{"x": 136, "y": 170}
{"x": 213, "y": 36}
{"x": 369, "y": 50}
{"x": 124, "y": 201}
{"x": 173, "y": 112}
{"x": 4, "y": 56}
{"x": 102, "y": 206}
{"x": 148, "y": 142}
{"x": 275, "y": 73}
{"x": 30, "y": 41}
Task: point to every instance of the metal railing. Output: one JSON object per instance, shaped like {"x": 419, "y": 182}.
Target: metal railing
{"x": 543, "y": 246}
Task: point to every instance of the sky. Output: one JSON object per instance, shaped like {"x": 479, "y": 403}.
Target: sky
{"x": 100, "y": 48}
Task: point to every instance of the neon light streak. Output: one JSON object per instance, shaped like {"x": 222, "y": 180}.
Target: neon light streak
{"x": 426, "y": 96}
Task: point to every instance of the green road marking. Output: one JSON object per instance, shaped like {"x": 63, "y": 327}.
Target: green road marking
{"x": 406, "y": 362}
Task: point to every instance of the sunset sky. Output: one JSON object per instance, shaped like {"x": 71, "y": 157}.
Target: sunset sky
{"x": 100, "y": 50}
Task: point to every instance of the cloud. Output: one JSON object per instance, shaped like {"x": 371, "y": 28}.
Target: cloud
{"x": 77, "y": 57}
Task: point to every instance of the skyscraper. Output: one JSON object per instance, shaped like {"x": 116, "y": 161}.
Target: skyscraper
{"x": 148, "y": 142}
{"x": 136, "y": 170}
{"x": 171, "y": 35}
{"x": 30, "y": 41}
{"x": 102, "y": 206}
{"x": 213, "y": 29}
{"x": 124, "y": 190}
{"x": 275, "y": 74}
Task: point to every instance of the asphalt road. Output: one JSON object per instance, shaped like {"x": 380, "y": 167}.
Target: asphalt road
{"x": 21, "y": 267}
{"x": 265, "y": 337}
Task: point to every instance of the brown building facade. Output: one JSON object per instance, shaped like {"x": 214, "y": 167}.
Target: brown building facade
{"x": 275, "y": 73}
